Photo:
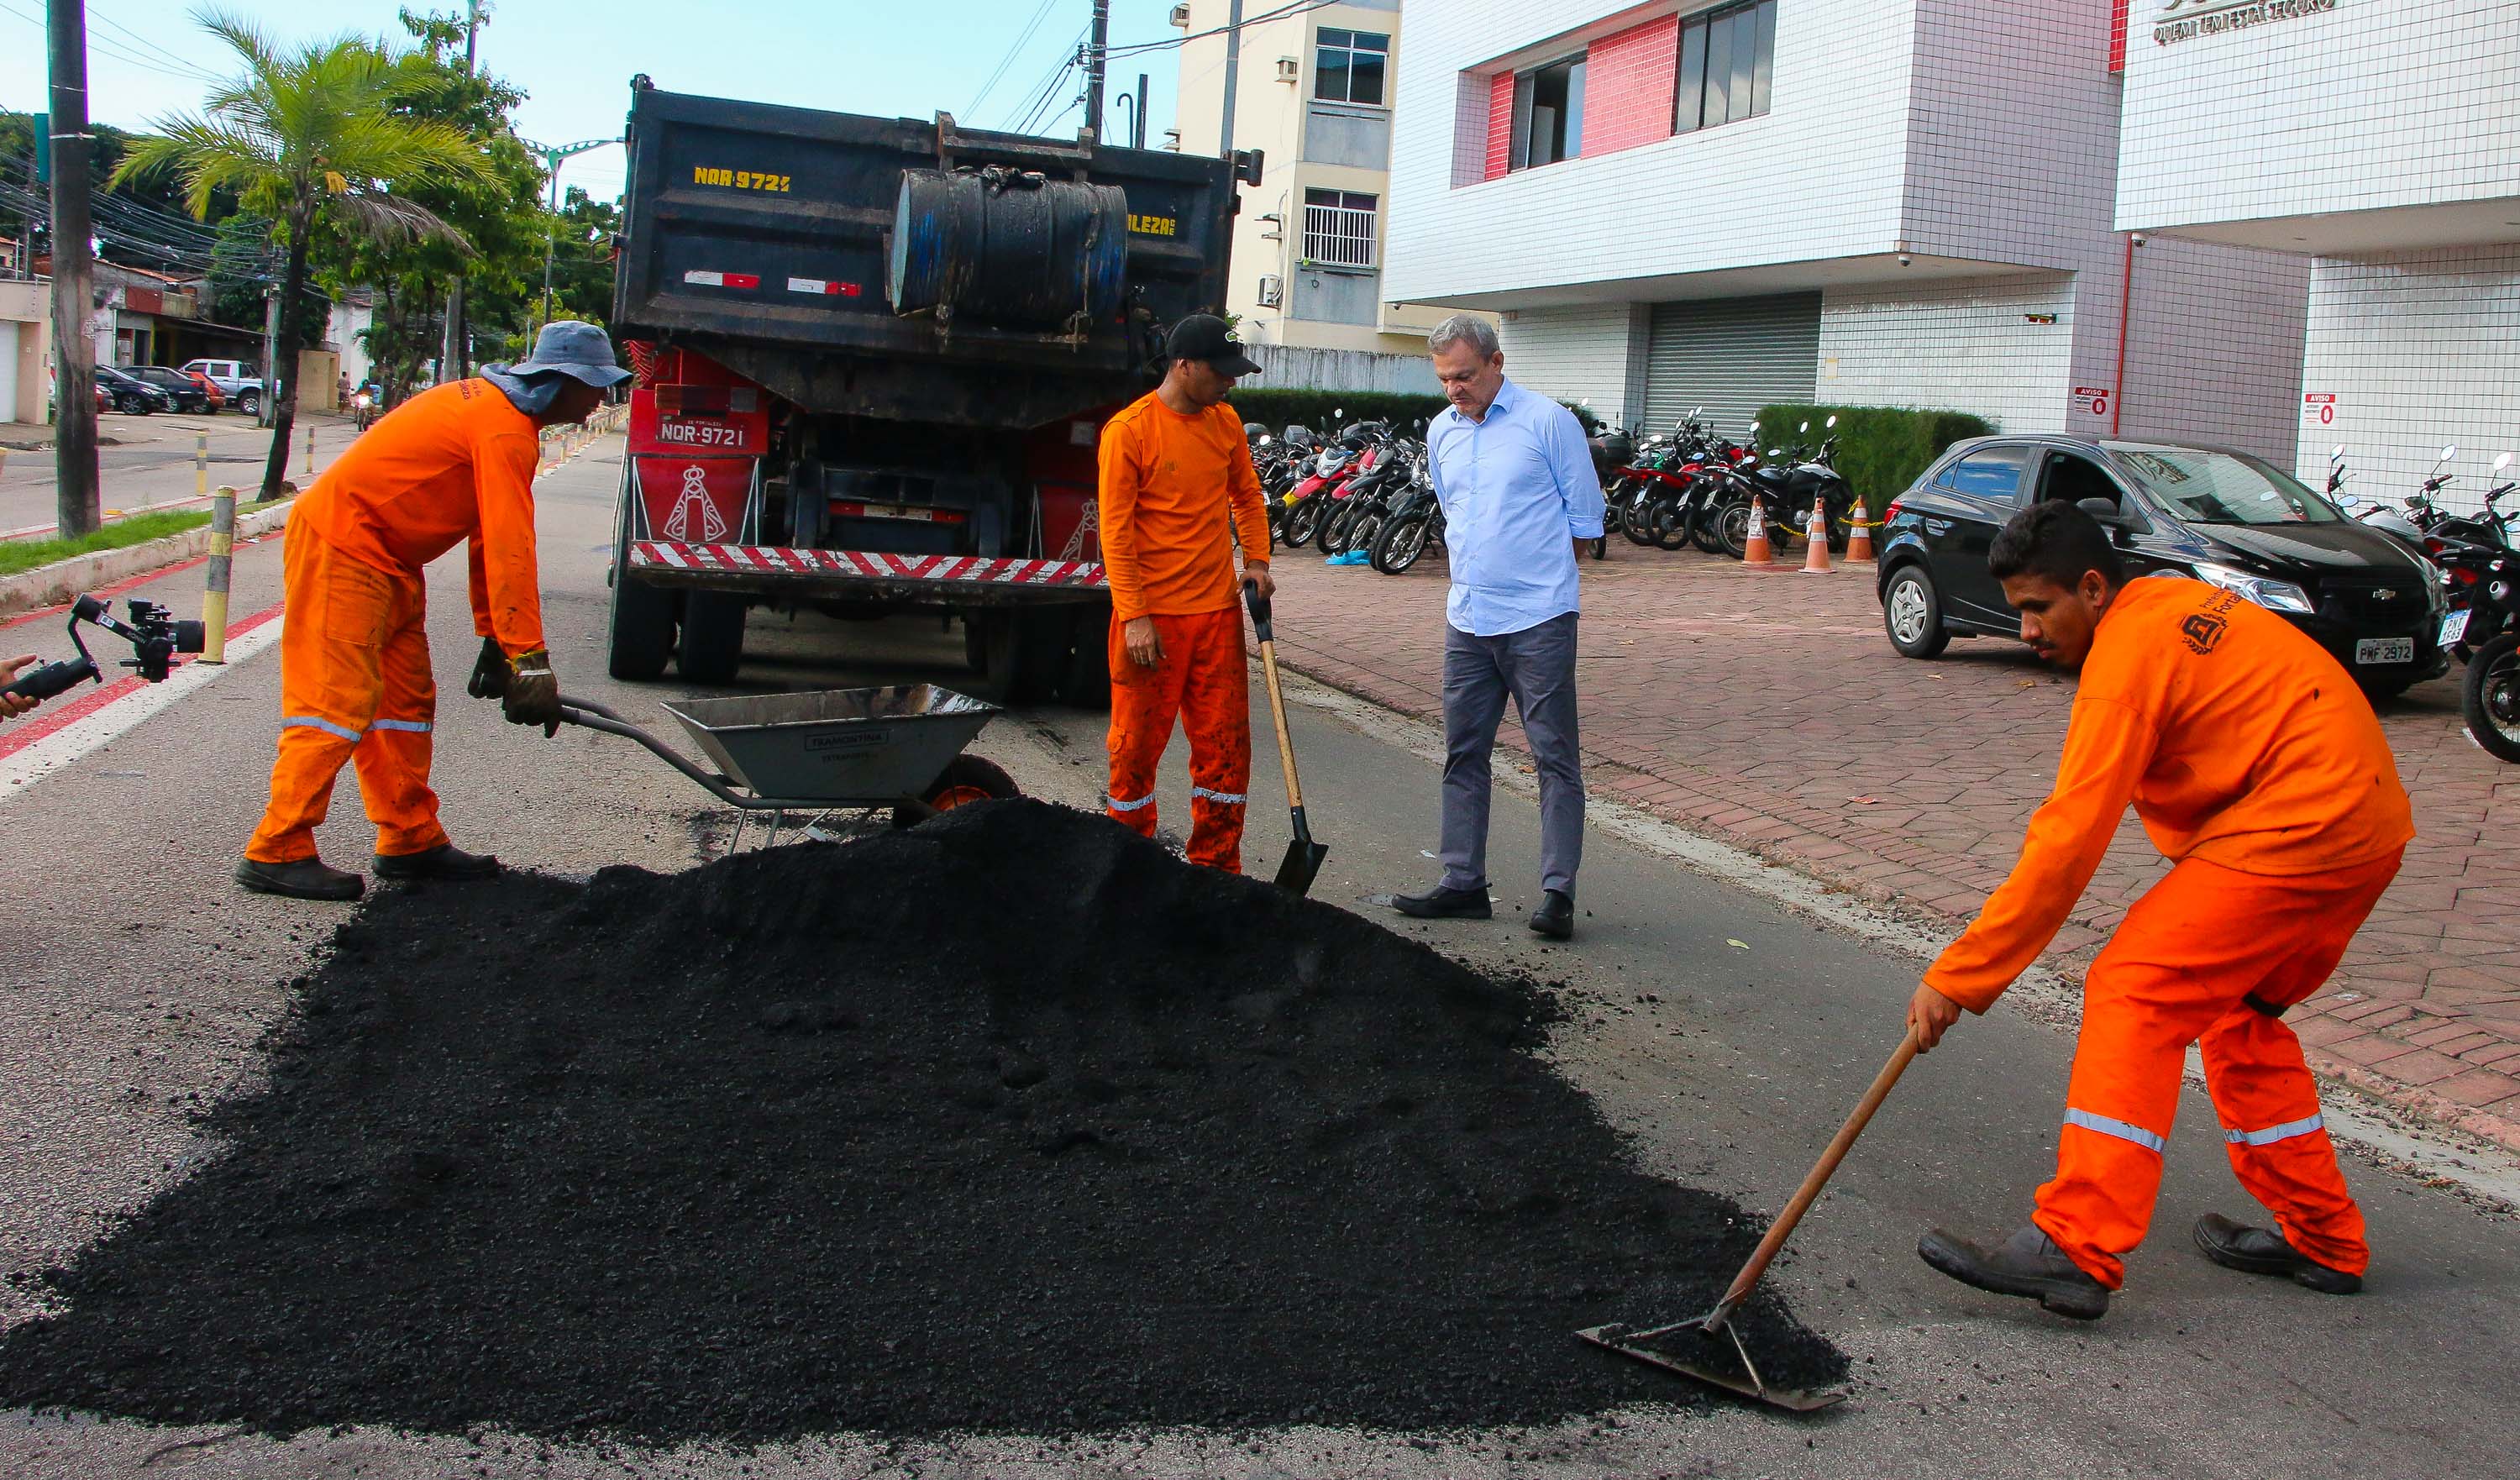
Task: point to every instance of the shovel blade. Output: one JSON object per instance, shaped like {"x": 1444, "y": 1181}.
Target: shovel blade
{"x": 1303, "y": 860}
{"x": 1615, "y": 1338}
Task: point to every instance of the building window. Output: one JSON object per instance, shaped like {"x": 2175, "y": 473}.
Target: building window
{"x": 1724, "y": 58}
{"x": 1349, "y": 67}
{"x": 1548, "y": 115}
{"x": 1338, "y": 228}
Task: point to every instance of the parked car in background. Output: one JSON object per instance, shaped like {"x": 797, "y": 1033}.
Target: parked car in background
{"x": 182, "y": 390}
{"x": 131, "y": 396}
{"x": 2200, "y": 512}
{"x": 235, "y": 377}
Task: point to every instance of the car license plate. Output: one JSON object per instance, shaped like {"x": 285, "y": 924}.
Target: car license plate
{"x": 2453, "y": 627}
{"x": 2385, "y": 649}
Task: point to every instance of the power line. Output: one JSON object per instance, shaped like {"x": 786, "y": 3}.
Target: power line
{"x": 1299, "y": 7}
{"x": 178, "y": 58}
{"x": 1008, "y": 60}
{"x": 117, "y": 51}
{"x": 1038, "y": 96}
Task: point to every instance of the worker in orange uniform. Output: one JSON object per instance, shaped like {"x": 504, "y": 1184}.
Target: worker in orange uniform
{"x": 2260, "y": 771}
{"x": 453, "y": 464}
{"x": 1177, "y": 485}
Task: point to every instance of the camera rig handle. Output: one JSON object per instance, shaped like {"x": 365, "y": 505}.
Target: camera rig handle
{"x": 153, "y": 637}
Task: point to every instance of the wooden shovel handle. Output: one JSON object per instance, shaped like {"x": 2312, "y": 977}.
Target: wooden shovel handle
{"x": 1784, "y": 1228}
{"x": 1262, "y": 625}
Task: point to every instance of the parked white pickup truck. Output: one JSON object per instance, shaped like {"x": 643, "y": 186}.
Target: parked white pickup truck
{"x": 235, "y": 378}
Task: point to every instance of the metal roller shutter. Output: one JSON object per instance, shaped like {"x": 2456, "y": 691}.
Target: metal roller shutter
{"x": 1731, "y": 356}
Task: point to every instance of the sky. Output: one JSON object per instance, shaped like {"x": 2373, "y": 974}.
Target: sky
{"x": 898, "y": 58}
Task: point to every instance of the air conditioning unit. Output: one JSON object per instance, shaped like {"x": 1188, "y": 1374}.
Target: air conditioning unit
{"x": 1288, "y": 68}
{"x": 1273, "y": 292}
{"x": 1181, "y": 17}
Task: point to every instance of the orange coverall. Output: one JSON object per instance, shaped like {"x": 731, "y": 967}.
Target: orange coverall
{"x": 455, "y": 463}
{"x": 1168, "y": 481}
{"x": 2259, "y": 769}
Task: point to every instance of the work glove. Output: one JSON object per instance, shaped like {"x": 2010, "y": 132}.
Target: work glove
{"x": 490, "y": 673}
{"x": 532, "y": 692}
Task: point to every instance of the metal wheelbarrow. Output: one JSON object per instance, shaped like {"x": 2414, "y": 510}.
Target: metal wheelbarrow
{"x": 828, "y": 752}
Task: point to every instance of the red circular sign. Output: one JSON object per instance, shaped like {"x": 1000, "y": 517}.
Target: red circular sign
{"x": 2327, "y": 414}
{"x": 2099, "y": 406}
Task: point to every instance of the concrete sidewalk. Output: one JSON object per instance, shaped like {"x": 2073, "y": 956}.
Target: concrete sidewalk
{"x": 1769, "y": 710}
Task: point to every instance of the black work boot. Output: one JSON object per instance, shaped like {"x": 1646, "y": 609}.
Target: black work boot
{"x": 1555, "y": 917}
{"x": 2028, "y": 1263}
{"x": 1440, "y": 902}
{"x": 446, "y": 861}
{"x": 305, "y": 878}
{"x": 2265, "y": 1252}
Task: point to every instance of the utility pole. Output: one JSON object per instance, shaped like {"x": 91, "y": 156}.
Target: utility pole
{"x": 267, "y": 405}
{"x": 552, "y": 155}
{"x": 79, "y": 507}
{"x": 1233, "y": 73}
{"x": 1096, "y": 49}
{"x": 1138, "y": 123}
{"x": 453, "y": 349}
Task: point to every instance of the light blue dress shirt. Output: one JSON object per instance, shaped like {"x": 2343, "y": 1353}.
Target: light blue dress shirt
{"x": 1517, "y": 489}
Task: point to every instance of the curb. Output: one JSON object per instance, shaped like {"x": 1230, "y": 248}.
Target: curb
{"x": 62, "y": 581}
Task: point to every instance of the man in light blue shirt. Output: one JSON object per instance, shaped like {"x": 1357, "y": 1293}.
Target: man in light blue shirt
{"x": 1520, "y": 495}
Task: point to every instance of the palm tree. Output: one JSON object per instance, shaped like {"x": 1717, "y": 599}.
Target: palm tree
{"x": 310, "y": 138}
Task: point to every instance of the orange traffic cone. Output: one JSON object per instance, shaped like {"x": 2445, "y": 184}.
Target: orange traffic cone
{"x": 1755, "y": 553}
{"x": 1859, "y": 537}
{"x": 1815, "y": 558}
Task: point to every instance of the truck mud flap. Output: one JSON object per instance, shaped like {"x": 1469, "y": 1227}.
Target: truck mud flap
{"x": 908, "y": 580}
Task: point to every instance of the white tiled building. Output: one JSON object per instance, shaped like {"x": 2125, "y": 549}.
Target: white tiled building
{"x": 2381, "y": 138}
{"x": 1902, "y": 203}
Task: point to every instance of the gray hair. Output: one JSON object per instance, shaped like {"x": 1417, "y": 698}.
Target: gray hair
{"x": 1466, "y": 329}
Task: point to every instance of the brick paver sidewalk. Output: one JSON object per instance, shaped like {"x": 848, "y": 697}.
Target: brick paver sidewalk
{"x": 1768, "y": 709}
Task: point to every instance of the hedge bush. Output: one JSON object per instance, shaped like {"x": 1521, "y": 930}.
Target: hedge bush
{"x": 1880, "y": 449}
{"x": 1274, "y": 408}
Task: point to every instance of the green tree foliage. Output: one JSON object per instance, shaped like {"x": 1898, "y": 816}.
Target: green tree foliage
{"x": 314, "y": 138}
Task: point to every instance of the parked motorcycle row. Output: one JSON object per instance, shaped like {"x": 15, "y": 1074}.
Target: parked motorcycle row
{"x": 1362, "y": 496}
{"x": 1691, "y": 487}
{"x": 2479, "y": 575}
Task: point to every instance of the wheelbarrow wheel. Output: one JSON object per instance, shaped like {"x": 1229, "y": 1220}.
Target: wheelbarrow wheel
{"x": 966, "y": 778}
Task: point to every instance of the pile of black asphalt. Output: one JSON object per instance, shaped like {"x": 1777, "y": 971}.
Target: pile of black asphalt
{"x": 1011, "y": 1123}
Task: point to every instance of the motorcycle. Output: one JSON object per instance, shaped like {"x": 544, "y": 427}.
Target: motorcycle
{"x": 2489, "y": 695}
{"x": 1786, "y": 481}
{"x": 1415, "y": 522}
{"x": 363, "y": 410}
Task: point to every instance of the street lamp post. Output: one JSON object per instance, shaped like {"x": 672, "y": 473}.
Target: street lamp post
{"x": 552, "y": 155}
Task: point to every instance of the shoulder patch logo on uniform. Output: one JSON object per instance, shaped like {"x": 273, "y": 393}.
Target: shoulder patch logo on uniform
{"x": 2202, "y": 631}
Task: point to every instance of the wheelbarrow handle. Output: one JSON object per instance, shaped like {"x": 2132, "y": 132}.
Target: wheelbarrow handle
{"x": 595, "y": 716}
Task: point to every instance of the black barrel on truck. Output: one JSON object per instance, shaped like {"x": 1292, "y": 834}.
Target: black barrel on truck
{"x": 873, "y": 359}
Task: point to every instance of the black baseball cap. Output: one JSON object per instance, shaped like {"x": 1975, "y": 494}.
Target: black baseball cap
{"x": 1205, "y": 336}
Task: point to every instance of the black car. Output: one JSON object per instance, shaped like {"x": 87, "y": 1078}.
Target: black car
{"x": 2204, "y": 512}
{"x": 185, "y": 392}
{"x": 131, "y": 396}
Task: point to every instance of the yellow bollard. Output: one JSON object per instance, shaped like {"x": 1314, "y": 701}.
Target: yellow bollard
{"x": 310, "y": 452}
{"x": 214, "y": 601}
{"x": 201, "y": 464}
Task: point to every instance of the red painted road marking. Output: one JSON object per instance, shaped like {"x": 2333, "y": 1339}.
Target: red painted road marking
{"x": 53, "y": 719}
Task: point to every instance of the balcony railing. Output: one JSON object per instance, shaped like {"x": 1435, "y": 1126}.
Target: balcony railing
{"x": 1338, "y": 235}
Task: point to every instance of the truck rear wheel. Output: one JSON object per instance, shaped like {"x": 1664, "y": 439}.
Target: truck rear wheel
{"x": 1088, "y": 685}
{"x": 712, "y": 644}
{"x": 640, "y": 636}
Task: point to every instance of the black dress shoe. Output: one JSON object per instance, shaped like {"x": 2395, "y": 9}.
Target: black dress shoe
{"x": 2028, "y": 1263}
{"x": 1555, "y": 917}
{"x": 446, "y": 861}
{"x": 1440, "y": 902}
{"x": 2264, "y": 1251}
{"x": 305, "y": 878}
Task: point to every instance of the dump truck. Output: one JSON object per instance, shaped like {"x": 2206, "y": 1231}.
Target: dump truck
{"x": 874, "y": 357}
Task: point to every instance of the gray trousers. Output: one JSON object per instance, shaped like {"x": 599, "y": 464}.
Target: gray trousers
{"x": 1537, "y": 666}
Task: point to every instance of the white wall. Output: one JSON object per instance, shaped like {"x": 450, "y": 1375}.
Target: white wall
{"x": 1590, "y": 353}
{"x": 1819, "y": 176}
{"x": 1965, "y": 345}
{"x": 2374, "y": 103}
{"x": 1289, "y": 367}
{"x": 2420, "y": 349}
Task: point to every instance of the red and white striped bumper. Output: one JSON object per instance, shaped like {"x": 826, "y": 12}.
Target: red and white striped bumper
{"x": 947, "y": 580}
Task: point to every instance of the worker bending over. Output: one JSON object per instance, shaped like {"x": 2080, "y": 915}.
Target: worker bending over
{"x": 456, "y": 463}
{"x": 1177, "y": 485}
{"x": 2258, "y": 770}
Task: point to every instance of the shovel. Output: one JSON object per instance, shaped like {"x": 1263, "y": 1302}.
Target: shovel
{"x": 1689, "y": 1347}
{"x": 1303, "y": 855}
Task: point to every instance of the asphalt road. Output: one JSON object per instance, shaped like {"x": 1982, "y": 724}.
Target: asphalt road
{"x": 139, "y": 980}
{"x": 150, "y": 461}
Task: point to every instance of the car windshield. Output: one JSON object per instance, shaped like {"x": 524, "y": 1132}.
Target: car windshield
{"x": 2224, "y": 488}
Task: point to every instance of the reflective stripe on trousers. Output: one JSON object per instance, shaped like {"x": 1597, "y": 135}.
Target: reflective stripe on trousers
{"x": 2117, "y": 1128}
{"x": 2272, "y": 1134}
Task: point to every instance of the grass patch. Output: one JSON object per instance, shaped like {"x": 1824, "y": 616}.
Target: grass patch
{"x": 18, "y": 556}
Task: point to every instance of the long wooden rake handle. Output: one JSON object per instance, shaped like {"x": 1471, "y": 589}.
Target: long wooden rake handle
{"x": 1808, "y": 1193}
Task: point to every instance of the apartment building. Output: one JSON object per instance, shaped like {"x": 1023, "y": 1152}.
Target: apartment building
{"x": 1897, "y": 203}
{"x": 1312, "y": 87}
{"x": 2380, "y": 138}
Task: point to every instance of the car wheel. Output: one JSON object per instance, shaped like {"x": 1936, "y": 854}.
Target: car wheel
{"x": 248, "y": 403}
{"x": 1912, "y": 612}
